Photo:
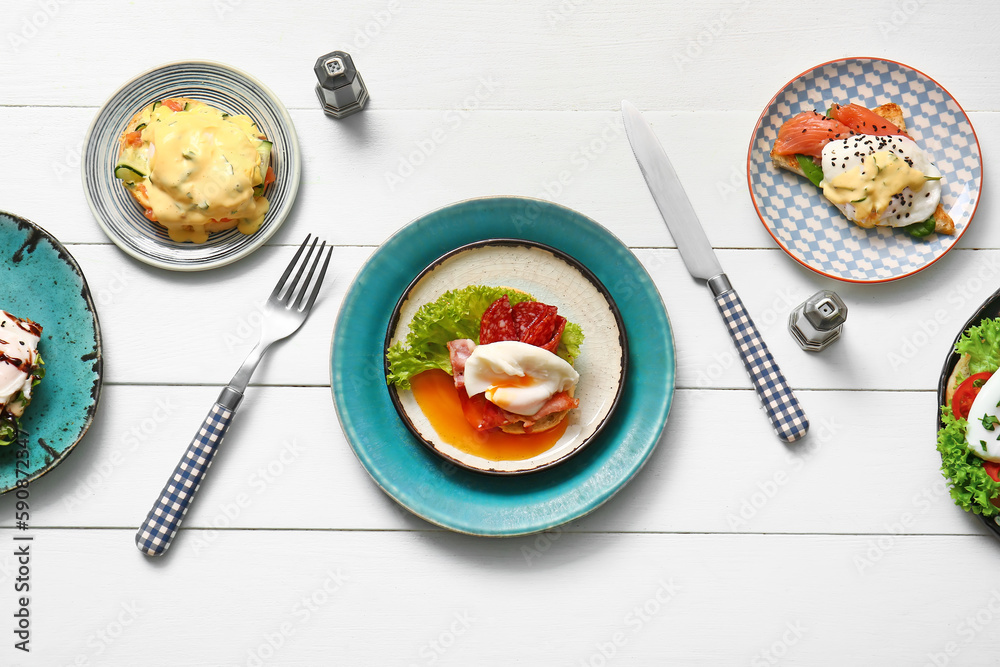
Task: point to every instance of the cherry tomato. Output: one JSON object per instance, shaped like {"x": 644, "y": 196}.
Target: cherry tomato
{"x": 961, "y": 402}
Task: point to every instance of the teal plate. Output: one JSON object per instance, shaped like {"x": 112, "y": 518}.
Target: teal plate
{"x": 40, "y": 280}
{"x": 468, "y": 501}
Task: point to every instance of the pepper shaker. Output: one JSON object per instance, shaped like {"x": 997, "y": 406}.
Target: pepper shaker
{"x": 340, "y": 90}
{"x": 818, "y": 322}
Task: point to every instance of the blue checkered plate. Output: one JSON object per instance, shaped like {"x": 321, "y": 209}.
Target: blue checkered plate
{"x": 808, "y": 227}
{"x": 225, "y": 88}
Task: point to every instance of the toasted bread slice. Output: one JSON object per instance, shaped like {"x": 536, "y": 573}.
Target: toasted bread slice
{"x": 544, "y": 424}
{"x": 943, "y": 223}
{"x": 958, "y": 375}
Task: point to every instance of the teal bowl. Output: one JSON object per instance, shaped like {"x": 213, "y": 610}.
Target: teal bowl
{"x": 468, "y": 501}
{"x": 40, "y": 280}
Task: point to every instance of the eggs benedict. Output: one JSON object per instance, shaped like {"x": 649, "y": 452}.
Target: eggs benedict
{"x": 517, "y": 377}
{"x": 20, "y": 370}
{"x": 508, "y": 356}
{"x": 195, "y": 169}
{"x": 867, "y": 165}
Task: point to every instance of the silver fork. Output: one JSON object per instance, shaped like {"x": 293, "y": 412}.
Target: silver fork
{"x": 285, "y": 311}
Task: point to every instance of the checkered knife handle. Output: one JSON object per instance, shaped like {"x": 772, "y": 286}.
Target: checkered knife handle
{"x": 783, "y": 409}
{"x": 160, "y": 526}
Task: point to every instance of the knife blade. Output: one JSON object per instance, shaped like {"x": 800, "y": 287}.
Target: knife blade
{"x": 783, "y": 409}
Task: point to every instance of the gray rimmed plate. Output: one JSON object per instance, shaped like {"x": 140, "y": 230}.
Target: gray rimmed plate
{"x": 225, "y": 88}
{"x": 550, "y": 276}
{"x": 41, "y": 281}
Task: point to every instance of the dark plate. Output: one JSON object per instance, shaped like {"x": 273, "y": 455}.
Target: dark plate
{"x": 989, "y": 310}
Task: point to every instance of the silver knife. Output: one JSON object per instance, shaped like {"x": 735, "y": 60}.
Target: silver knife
{"x": 783, "y": 409}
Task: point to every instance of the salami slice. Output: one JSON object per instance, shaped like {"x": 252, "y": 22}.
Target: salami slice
{"x": 498, "y": 323}
{"x": 527, "y": 313}
{"x": 553, "y": 342}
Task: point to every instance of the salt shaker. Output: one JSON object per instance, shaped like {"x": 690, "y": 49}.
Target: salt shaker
{"x": 818, "y": 322}
{"x": 340, "y": 89}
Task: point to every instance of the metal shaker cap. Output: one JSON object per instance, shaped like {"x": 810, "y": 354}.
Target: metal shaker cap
{"x": 818, "y": 321}
{"x": 340, "y": 90}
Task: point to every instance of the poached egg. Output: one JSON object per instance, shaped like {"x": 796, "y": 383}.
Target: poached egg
{"x": 518, "y": 377}
{"x": 980, "y": 440}
{"x": 18, "y": 352}
{"x": 885, "y": 181}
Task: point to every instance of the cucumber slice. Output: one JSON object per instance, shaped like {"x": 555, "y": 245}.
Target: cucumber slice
{"x": 264, "y": 149}
{"x": 128, "y": 174}
{"x": 130, "y": 169}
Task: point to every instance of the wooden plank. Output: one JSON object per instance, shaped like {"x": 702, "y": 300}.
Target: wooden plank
{"x": 896, "y": 337}
{"x": 310, "y": 598}
{"x": 386, "y": 168}
{"x": 718, "y": 468}
{"x": 567, "y": 56}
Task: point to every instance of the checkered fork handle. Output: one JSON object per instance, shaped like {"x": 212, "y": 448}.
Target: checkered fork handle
{"x": 783, "y": 409}
{"x": 162, "y": 522}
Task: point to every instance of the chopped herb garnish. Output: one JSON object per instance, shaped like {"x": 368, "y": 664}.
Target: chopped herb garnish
{"x": 989, "y": 422}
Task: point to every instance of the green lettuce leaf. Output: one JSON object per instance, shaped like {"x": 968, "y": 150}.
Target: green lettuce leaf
{"x": 971, "y": 488}
{"x": 982, "y": 344}
{"x": 456, "y": 314}
{"x": 8, "y": 430}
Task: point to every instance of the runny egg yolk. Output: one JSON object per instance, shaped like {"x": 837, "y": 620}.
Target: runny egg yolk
{"x": 435, "y": 393}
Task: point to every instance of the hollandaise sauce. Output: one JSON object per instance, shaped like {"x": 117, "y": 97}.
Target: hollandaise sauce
{"x": 196, "y": 169}
{"x": 880, "y": 180}
{"x": 434, "y": 391}
{"x": 871, "y": 185}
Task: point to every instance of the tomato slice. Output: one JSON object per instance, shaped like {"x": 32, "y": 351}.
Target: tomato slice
{"x": 992, "y": 469}
{"x": 961, "y": 402}
{"x": 133, "y": 139}
{"x": 176, "y": 105}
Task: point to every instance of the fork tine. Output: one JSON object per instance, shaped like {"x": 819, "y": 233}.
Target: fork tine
{"x": 319, "y": 281}
{"x": 291, "y": 265}
{"x": 287, "y": 298}
{"x": 312, "y": 270}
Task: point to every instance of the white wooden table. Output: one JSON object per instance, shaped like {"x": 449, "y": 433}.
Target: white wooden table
{"x": 728, "y": 548}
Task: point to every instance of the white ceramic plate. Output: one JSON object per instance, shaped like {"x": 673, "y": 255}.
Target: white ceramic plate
{"x": 225, "y": 88}
{"x": 551, "y": 277}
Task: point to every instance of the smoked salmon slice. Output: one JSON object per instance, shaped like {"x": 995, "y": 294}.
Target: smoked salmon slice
{"x": 864, "y": 121}
{"x": 808, "y": 132}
